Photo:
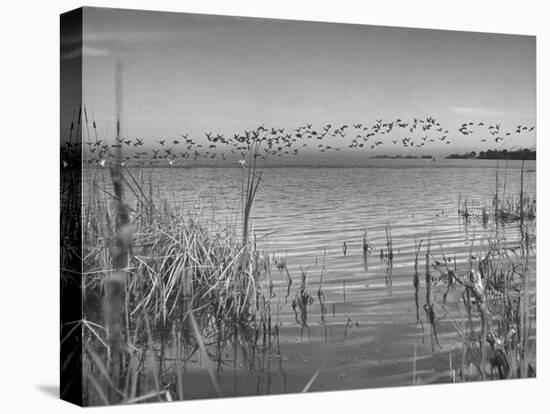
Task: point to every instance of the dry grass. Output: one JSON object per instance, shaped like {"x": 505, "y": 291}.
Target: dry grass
{"x": 505, "y": 208}
{"x": 494, "y": 324}
{"x": 190, "y": 285}
{"x": 487, "y": 301}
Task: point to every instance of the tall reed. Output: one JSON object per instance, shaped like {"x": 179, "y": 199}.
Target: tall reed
{"x": 177, "y": 263}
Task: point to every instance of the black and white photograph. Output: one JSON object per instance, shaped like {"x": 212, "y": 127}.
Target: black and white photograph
{"x": 270, "y": 206}
{"x": 274, "y": 206}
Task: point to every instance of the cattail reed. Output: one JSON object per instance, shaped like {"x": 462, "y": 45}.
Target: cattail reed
{"x": 300, "y": 304}
{"x": 416, "y": 284}
{"x": 344, "y": 289}
{"x": 428, "y": 306}
{"x": 321, "y": 297}
{"x": 115, "y": 282}
{"x": 253, "y": 179}
{"x": 366, "y": 250}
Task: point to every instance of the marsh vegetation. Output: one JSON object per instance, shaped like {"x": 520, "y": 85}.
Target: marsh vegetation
{"x": 205, "y": 282}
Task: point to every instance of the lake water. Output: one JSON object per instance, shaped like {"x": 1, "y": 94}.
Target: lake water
{"x": 306, "y": 215}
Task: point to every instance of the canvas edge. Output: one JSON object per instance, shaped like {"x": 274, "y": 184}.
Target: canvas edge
{"x": 71, "y": 389}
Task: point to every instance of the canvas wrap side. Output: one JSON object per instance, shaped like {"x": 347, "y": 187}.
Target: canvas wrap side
{"x": 71, "y": 207}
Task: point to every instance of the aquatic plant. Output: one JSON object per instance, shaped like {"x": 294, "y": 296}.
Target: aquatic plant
{"x": 301, "y": 303}
{"x": 505, "y": 208}
{"x": 183, "y": 280}
{"x": 188, "y": 289}
{"x": 494, "y": 291}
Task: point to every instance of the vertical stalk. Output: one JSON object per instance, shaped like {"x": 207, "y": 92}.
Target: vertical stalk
{"x": 521, "y": 193}
{"x": 496, "y": 194}
{"x": 115, "y": 283}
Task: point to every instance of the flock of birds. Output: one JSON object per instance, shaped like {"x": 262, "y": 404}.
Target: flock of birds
{"x": 279, "y": 142}
{"x": 494, "y": 130}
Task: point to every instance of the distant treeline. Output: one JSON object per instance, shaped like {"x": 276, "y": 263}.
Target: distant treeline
{"x": 521, "y": 154}
{"x": 403, "y": 156}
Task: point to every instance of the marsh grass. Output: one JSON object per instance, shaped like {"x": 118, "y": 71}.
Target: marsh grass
{"x": 253, "y": 174}
{"x": 416, "y": 285}
{"x": 386, "y": 256}
{"x": 497, "y": 328}
{"x": 187, "y": 284}
{"x": 301, "y": 303}
{"x": 505, "y": 208}
{"x": 367, "y": 250}
{"x": 492, "y": 313}
{"x": 322, "y": 299}
{"x": 191, "y": 289}
{"x": 166, "y": 289}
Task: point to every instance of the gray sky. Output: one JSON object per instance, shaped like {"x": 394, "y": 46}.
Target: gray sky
{"x": 196, "y": 73}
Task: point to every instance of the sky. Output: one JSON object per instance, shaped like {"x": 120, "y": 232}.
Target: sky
{"x": 198, "y": 73}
